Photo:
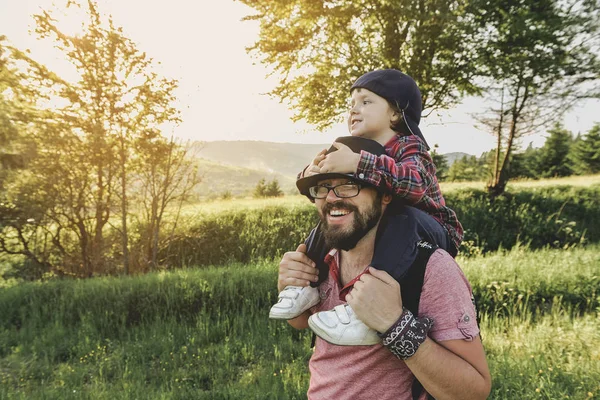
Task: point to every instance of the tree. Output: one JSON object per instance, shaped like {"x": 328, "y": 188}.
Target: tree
{"x": 85, "y": 147}
{"x": 318, "y": 48}
{"x": 264, "y": 189}
{"x": 166, "y": 176}
{"x": 441, "y": 164}
{"x": 585, "y": 154}
{"x": 524, "y": 164}
{"x": 260, "y": 189}
{"x": 273, "y": 189}
{"x": 552, "y": 157}
{"x": 539, "y": 59}
{"x": 17, "y": 109}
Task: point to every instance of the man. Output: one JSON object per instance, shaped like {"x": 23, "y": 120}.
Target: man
{"x": 440, "y": 347}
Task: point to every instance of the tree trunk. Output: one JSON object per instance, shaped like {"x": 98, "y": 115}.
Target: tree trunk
{"x": 124, "y": 233}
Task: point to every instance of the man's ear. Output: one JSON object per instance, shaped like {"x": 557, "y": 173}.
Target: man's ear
{"x": 386, "y": 199}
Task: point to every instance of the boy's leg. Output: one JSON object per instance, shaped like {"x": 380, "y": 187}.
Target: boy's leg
{"x": 398, "y": 235}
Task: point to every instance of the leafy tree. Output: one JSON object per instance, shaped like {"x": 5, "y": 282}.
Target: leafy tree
{"x": 538, "y": 58}
{"x": 86, "y": 153}
{"x": 585, "y": 154}
{"x": 441, "y": 164}
{"x": 165, "y": 176}
{"x": 318, "y": 48}
{"x": 552, "y": 157}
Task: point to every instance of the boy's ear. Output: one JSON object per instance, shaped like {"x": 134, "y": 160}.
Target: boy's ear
{"x": 395, "y": 117}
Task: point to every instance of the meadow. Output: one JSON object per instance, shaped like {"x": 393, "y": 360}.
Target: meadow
{"x": 204, "y": 333}
{"x": 199, "y": 329}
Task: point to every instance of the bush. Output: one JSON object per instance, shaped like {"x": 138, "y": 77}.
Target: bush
{"x": 556, "y": 217}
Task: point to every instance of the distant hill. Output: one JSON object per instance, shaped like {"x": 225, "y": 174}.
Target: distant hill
{"x": 283, "y": 158}
{"x": 218, "y": 178}
{"x": 237, "y": 166}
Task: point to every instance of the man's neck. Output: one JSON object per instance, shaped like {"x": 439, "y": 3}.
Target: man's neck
{"x": 355, "y": 260}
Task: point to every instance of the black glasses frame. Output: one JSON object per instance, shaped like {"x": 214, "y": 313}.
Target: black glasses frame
{"x": 313, "y": 190}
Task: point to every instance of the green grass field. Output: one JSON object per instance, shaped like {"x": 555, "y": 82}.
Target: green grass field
{"x": 205, "y": 334}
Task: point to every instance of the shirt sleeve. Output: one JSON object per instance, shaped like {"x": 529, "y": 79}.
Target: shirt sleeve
{"x": 448, "y": 299}
{"x": 406, "y": 170}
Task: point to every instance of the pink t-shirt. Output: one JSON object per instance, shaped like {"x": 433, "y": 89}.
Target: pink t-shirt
{"x": 373, "y": 372}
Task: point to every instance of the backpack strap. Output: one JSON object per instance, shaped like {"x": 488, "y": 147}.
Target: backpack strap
{"x": 411, "y": 285}
{"x": 412, "y": 282}
{"x": 316, "y": 250}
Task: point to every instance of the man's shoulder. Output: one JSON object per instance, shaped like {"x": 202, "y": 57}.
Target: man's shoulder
{"x": 441, "y": 265}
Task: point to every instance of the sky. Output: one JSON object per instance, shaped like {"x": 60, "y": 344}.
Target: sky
{"x": 222, "y": 91}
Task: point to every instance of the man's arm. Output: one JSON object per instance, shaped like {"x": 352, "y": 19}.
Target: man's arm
{"x": 452, "y": 369}
{"x": 297, "y": 269}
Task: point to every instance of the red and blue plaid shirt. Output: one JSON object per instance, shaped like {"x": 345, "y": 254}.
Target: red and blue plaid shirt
{"x": 408, "y": 172}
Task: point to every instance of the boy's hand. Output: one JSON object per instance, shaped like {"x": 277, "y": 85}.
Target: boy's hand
{"x": 313, "y": 168}
{"x": 343, "y": 161}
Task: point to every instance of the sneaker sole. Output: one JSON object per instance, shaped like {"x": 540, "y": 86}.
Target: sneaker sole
{"x": 323, "y": 335}
{"x": 288, "y": 316}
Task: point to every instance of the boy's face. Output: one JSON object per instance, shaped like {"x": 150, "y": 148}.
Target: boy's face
{"x": 370, "y": 115}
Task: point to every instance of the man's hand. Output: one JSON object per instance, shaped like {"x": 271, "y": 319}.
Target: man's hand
{"x": 343, "y": 161}
{"x": 296, "y": 269}
{"x": 376, "y": 299}
{"x": 314, "y": 168}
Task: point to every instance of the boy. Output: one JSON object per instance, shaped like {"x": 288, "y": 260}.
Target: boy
{"x": 386, "y": 108}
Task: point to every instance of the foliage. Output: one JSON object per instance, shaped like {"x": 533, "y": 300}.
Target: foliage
{"x": 585, "y": 153}
{"x": 556, "y": 217}
{"x": 468, "y": 168}
{"x": 440, "y": 162}
{"x": 99, "y": 147}
{"x": 552, "y": 157}
{"x": 264, "y": 189}
{"x": 319, "y": 48}
{"x": 539, "y": 59}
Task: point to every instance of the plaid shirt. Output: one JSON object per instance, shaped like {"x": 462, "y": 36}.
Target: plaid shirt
{"x": 409, "y": 173}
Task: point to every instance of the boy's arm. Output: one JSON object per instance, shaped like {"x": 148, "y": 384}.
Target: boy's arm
{"x": 312, "y": 168}
{"x": 408, "y": 171}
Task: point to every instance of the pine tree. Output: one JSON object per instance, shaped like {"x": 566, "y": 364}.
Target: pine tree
{"x": 441, "y": 164}
{"x": 585, "y": 154}
{"x": 552, "y": 158}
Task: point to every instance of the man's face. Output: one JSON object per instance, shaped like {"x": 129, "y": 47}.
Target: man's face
{"x": 370, "y": 114}
{"x": 347, "y": 220}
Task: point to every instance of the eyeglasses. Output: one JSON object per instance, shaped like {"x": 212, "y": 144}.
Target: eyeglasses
{"x": 342, "y": 191}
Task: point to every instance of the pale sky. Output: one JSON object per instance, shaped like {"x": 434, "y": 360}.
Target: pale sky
{"x": 202, "y": 44}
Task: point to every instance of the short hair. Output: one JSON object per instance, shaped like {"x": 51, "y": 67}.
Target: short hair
{"x": 400, "y": 125}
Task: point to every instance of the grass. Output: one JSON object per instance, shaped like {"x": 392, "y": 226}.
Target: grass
{"x": 515, "y": 184}
{"x": 204, "y": 334}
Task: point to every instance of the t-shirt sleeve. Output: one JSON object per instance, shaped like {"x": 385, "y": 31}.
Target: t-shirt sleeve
{"x": 448, "y": 299}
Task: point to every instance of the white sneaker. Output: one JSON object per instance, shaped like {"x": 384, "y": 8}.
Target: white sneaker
{"x": 342, "y": 327}
{"x": 293, "y": 301}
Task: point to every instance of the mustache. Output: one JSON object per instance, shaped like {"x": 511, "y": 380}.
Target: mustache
{"x": 339, "y": 204}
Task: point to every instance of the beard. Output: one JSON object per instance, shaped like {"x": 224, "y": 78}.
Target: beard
{"x": 343, "y": 238}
